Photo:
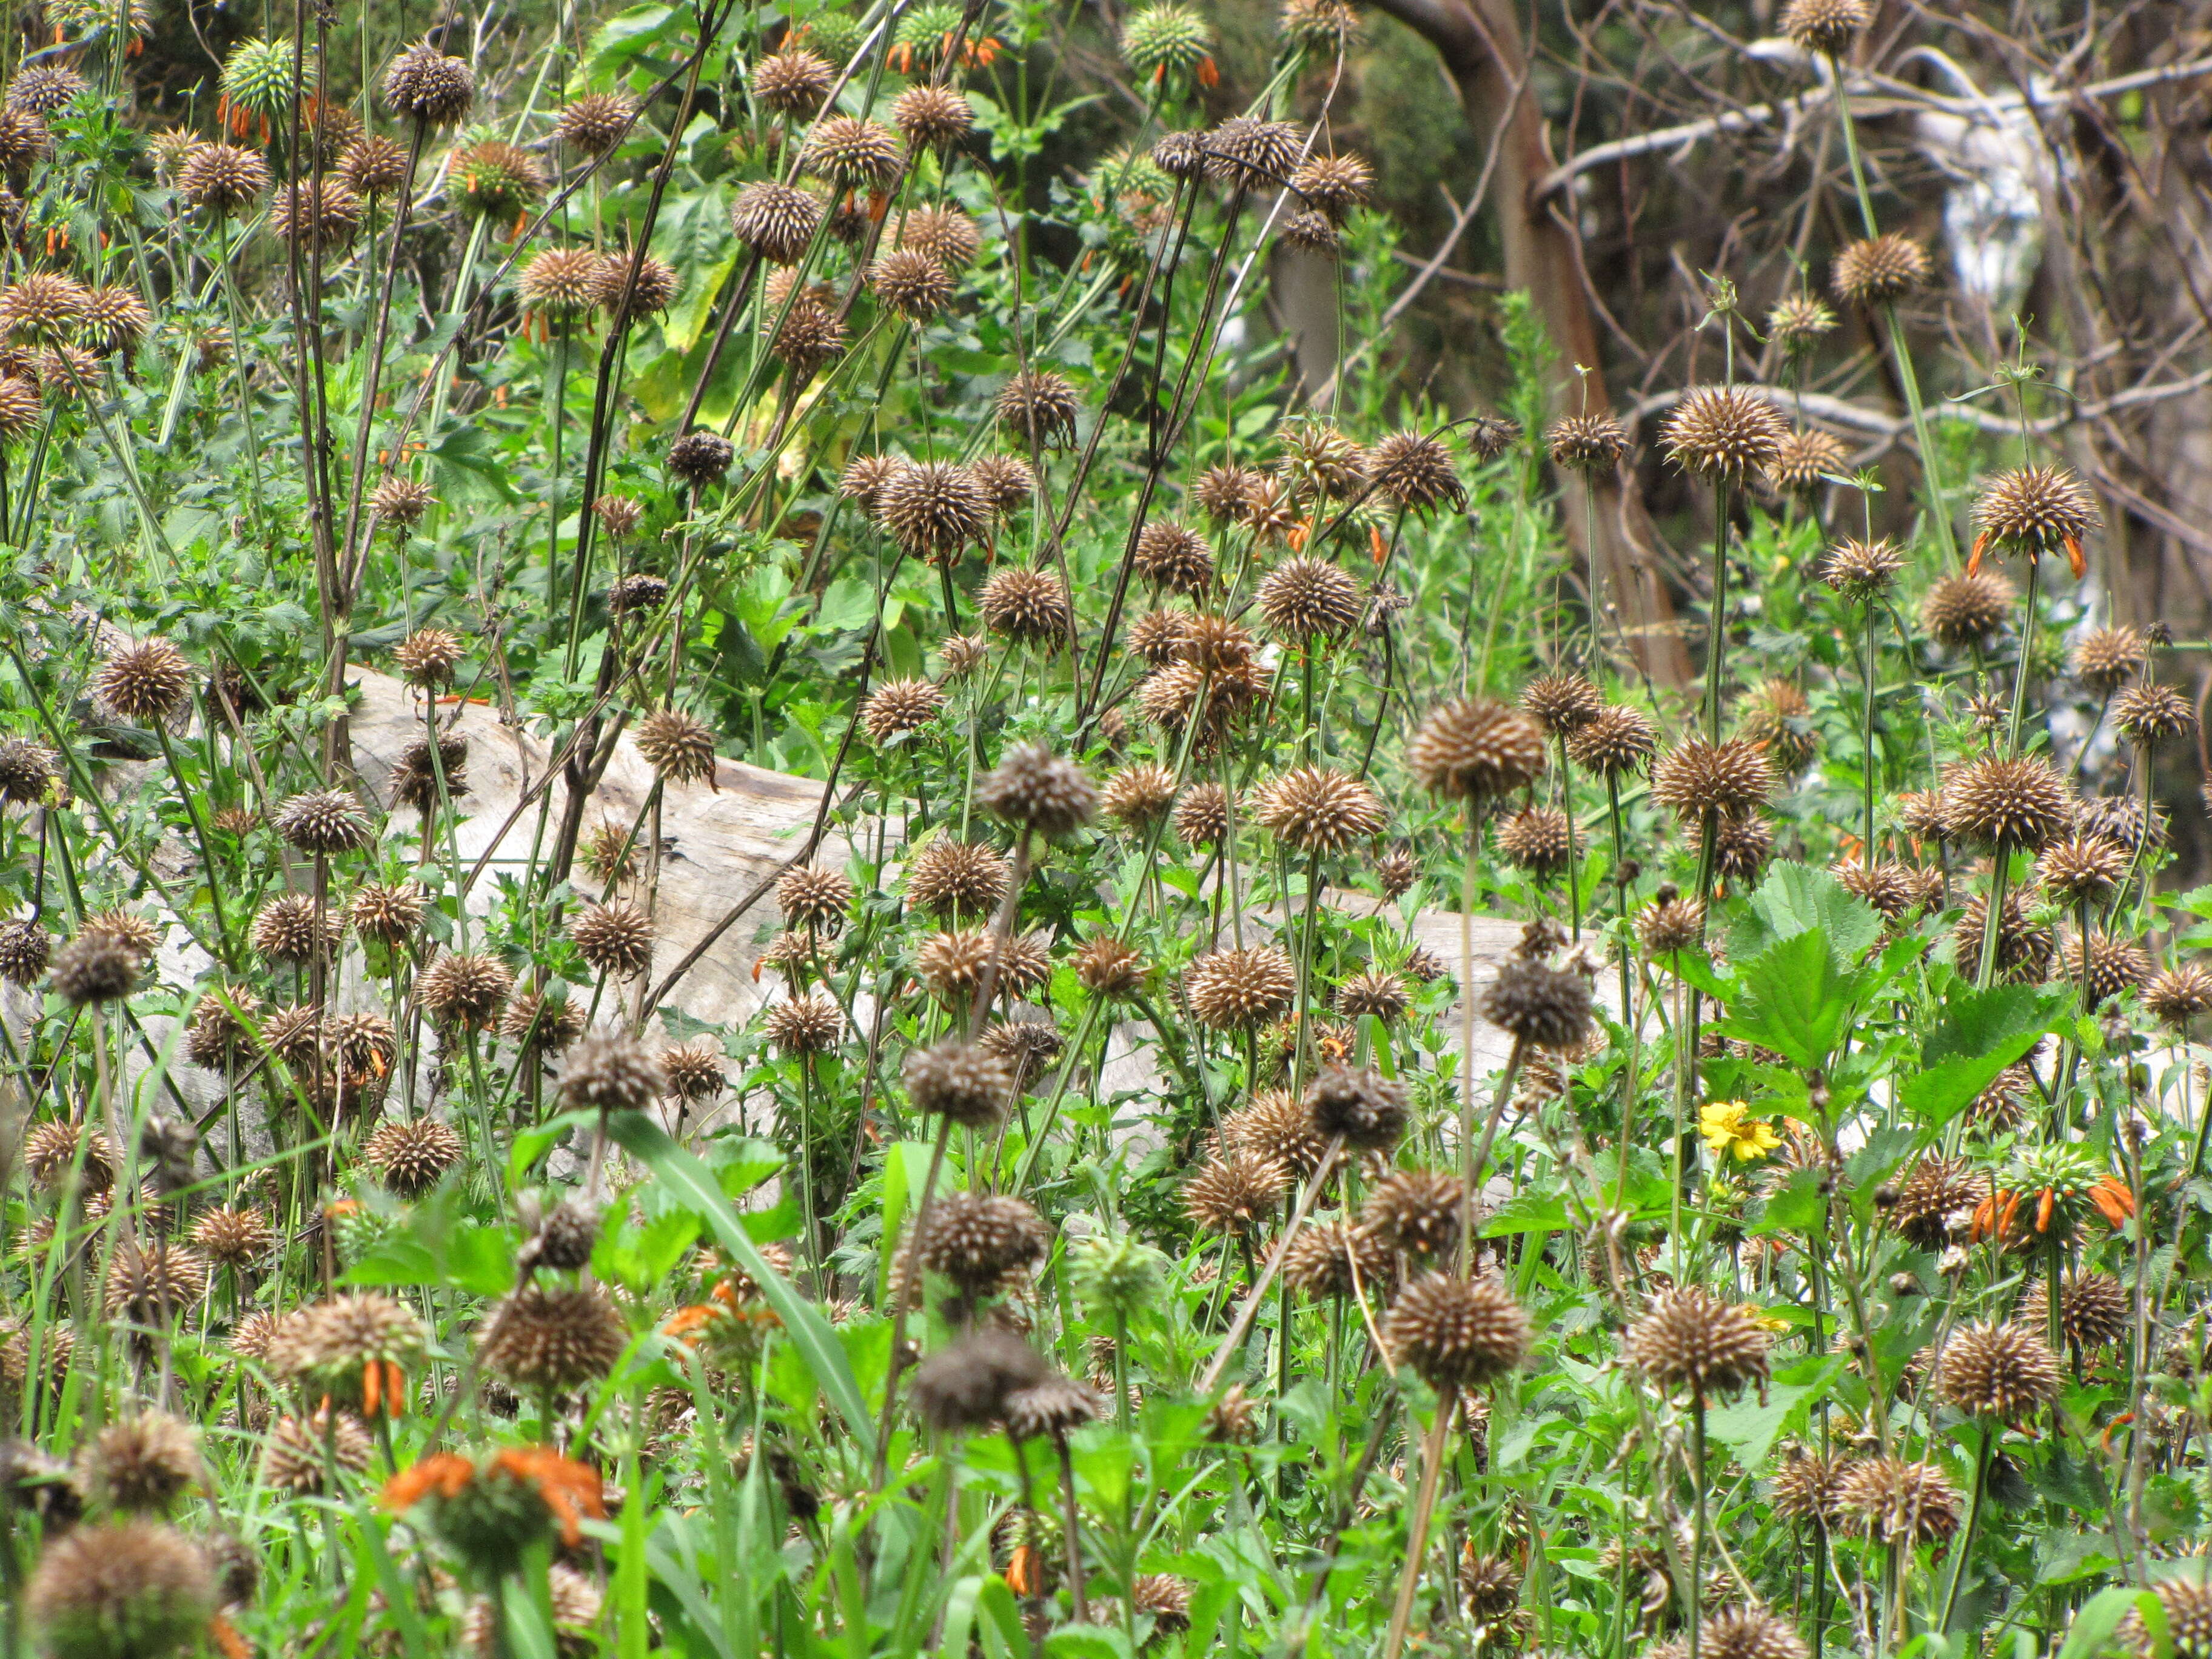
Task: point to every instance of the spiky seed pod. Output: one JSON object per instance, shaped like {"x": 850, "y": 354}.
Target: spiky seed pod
{"x": 387, "y": 914}
{"x": 1457, "y": 1332}
{"x": 322, "y": 822}
{"x": 410, "y": 1157}
{"x": 1542, "y": 1006}
{"x": 1007, "y": 482}
{"x": 932, "y": 509}
{"x": 27, "y": 771}
{"x": 1180, "y": 155}
{"x": 2118, "y": 819}
{"x": 1309, "y": 233}
{"x": 2186, "y": 1604}
{"x": 1688, "y": 1337}
{"x": 1742, "y": 846}
{"x": 804, "y": 1025}
{"x": 143, "y": 1464}
{"x": 50, "y": 1152}
{"x": 1029, "y": 607}
{"x": 548, "y": 1340}
{"x": 1620, "y": 740}
{"x": 1535, "y": 839}
{"x": 25, "y": 950}
{"x": 1562, "y": 703}
{"x": 1396, "y": 871}
{"x": 2008, "y": 801}
{"x": 1724, "y": 433}
{"x": 2095, "y": 1310}
{"x": 809, "y": 337}
{"x": 700, "y": 458}
{"x": 2106, "y": 658}
{"x": 1416, "y": 1211}
{"x": 1321, "y": 1261}
{"x": 1936, "y": 1202}
{"x": 1878, "y": 271}
{"x": 20, "y": 406}
{"x": 1239, "y": 990}
{"x": 2026, "y": 944}
{"x": 1890, "y": 887}
{"x": 146, "y": 683}
{"x": 1415, "y": 472}
{"x": 947, "y": 876}
{"x": 1040, "y": 407}
{"x": 425, "y": 85}
{"x": 465, "y": 992}
{"x": 1920, "y": 815}
{"x": 1223, "y": 492}
{"x": 1807, "y": 1486}
{"x": 1334, "y": 186}
{"x": 955, "y": 1080}
{"x": 126, "y": 927}
{"x": 1272, "y": 515}
{"x": 1586, "y": 443}
{"x": 793, "y": 82}
{"x": 595, "y": 123}
{"x": 1162, "y": 1598}
{"x": 1473, "y": 750}
{"x": 641, "y": 591}
{"x": 44, "y": 89}
{"x": 133, "y": 1591}
{"x": 966, "y": 1386}
{"x": 541, "y": 1024}
{"x": 112, "y": 321}
{"x": 292, "y": 1456}
{"x": 2179, "y": 994}
{"x": 932, "y": 117}
{"x": 1893, "y": 1501}
{"x": 1201, "y": 817}
{"x": 2001, "y": 1371}
{"x": 421, "y": 781}
{"x": 1321, "y": 27}
{"x": 615, "y": 938}
{"x": 2037, "y": 508}
{"x": 1826, "y": 26}
{"x": 1165, "y": 39}
{"x": 1368, "y": 1110}
{"x": 324, "y": 211}
{"x": 1157, "y": 637}
{"x": 1375, "y": 992}
{"x": 1748, "y": 1632}
{"x": 1140, "y": 795}
{"x": 1108, "y": 969}
{"x": 94, "y": 969}
{"x": 1959, "y": 612}
{"x": 1235, "y": 1195}
{"x": 694, "y": 1071}
{"x": 813, "y": 897}
{"x": 222, "y": 180}
{"x": 612, "y": 1072}
{"x": 1055, "y": 1407}
{"x": 1214, "y": 645}
{"x": 850, "y": 151}
{"x": 1035, "y": 788}
{"x": 1862, "y": 570}
{"x": 2106, "y": 965}
{"x": 775, "y": 221}
{"x": 2150, "y": 715}
{"x": 429, "y": 656}
{"x": 1252, "y": 155}
{"x": 1317, "y": 809}
{"x": 649, "y": 284}
{"x": 150, "y": 1284}
{"x": 373, "y": 166}
{"x": 984, "y": 1244}
{"x": 915, "y": 284}
{"x": 1807, "y": 460}
{"x": 678, "y": 748}
{"x": 1777, "y": 717}
{"x": 2082, "y": 870}
{"x": 1489, "y": 1588}
{"x": 1695, "y": 779}
{"x": 400, "y": 503}
{"x": 233, "y": 1238}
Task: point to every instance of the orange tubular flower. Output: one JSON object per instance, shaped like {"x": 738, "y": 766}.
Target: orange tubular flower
{"x": 2113, "y": 1201}
{"x": 443, "y": 1472}
{"x": 571, "y": 1489}
{"x": 1208, "y": 74}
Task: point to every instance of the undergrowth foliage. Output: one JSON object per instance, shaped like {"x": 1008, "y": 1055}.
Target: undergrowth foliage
{"x": 1300, "y": 1099}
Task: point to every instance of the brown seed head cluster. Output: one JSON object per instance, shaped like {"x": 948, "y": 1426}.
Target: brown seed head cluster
{"x": 1724, "y": 433}
{"x": 1474, "y": 751}
{"x": 1688, "y": 1338}
{"x": 1457, "y": 1332}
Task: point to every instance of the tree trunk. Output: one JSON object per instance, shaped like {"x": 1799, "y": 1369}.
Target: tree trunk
{"x": 1480, "y": 44}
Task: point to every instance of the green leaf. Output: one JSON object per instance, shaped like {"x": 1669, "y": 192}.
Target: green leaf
{"x": 2092, "y": 1628}
{"x": 1100, "y": 1642}
{"x": 1526, "y": 1212}
{"x": 1796, "y": 1207}
{"x": 1792, "y": 999}
{"x": 1798, "y": 898}
{"x": 1977, "y": 1023}
{"x": 1750, "y": 1427}
{"x": 694, "y": 1186}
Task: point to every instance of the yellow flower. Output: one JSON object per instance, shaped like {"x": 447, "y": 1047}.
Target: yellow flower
{"x": 1727, "y": 1135}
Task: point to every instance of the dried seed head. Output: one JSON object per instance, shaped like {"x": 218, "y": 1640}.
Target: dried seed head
{"x": 1174, "y": 557}
{"x": 1396, "y": 871}
{"x": 467, "y": 992}
{"x": 423, "y": 85}
{"x": 1535, "y": 839}
{"x": 915, "y": 284}
{"x": 1007, "y": 482}
{"x": 94, "y": 969}
{"x": 1326, "y": 27}
{"x": 1586, "y": 443}
{"x": 1724, "y": 433}
{"x": 222, "y": 180}
{"x": 2095, "y": 1311}
{"x": 615, "y": 938}
{"x": 595, "y": 123}
{"x": 42, "y": 307}
{"x": 946, "y": 876}
{"x": 2001, "y": 1371}
{"x": 848, "y": 151}
{"x": 1328, "y": 1259}
{"x": 25, "y": 950}
{"x": 804, "y": 1025}
{"x": 1878, "y": 271}
{"x": 1695, "y": 779}
{"x": 132, "y": 1590}
{"x": 1037, "y": 790}
{"x": 322, "y": 211}
{"x": 955, "y": 1080}
{"x": 152, "y": 1284}
{"x": 1309, "y": 233}
{"x": 633, "y": 284}
{"x": 2179, "y": 994}
{"x": 401, "y": 503}
{"x": 1368, "y": 1110}
{"x": 984, "y": 1244}
{"x": 934, "y": 509}
{"x": 1562, "y": 702}
{"x": 1181, "y": 155}
{"x": 1893, "y": 1501}
{"x": 1473, "y": 750}
{"x": 1750, "y": 1633}
{"x": 1139, "y": 795}
{"x": 1936, "y": 1202}
{"x": 27, "y": 771}
{"x": 1224, "y": 492}
{"x": 2037, "y": 508}
{"x": 1317, "y": 809}
{"x": 429, "y": 656}
{"x": 1619, "y": 740}
{"x": 700, "y": 458}
{"x": 1862, "y": 570}
{"x": 2105, "y": 965}
{"x": 1333, "y": 185}
{"x": 292, "y": 1458}
{"x": 1040, "y": 407}
{"x": 1776, "y": 715}
{"x": 410, "y": 1156}
{"x": 793, "y": 82}
{"x": 1030, "y": 607}
{"x": 372, "y": 165}
{"x": 2153, "y": 714}
{"x": 677, "y": 747}
{"x": 1374, "y": 992}
{"x": 386, "y": 913}
{"x": 775, "y": 221}
{"x": 1826, "y": 26}
{"x": 967, "y": 1386}
{"x": 2025, "y": 943}
{"x": 1457, "y": 1332}
{"x": 612, "y": 1072}
{"x": 932, "y": 116}
{"x": 638, "y": 592}
{"x": 1689, "y": 1338}
{"x": 1252, "y": 155}
{"x": 2005, "y": 802}
{"x": 322, "y": 822}
{"x": 1055, "y": 1408}
{"x": 1304, "y": 598}
{"x": 2186, "y": 1602}
{"x": 1541, "y": 1006}
{"x": 1236, "y": 1196}
{"x": 813, "y": 897}
{"x": 143, "y": 1464}
{"x": 1107, "y": 968}
{"x": 146, "y": 683}
{"x": 809, "y": 337}
{"x": 44, "y": 88}
{"x": 1807, "y": 460}
{"x": 1239, "y": 990}
{"x": 548, "y": 1340}
{"x": 1806, "y": 1488}
{"x": 1414, "y": 472}
{"x": 291, "y": 930}
{"x": 1201, "y": 817}
{"x": 2082, "y": 870}
{"x": 1416, "y": 1211}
